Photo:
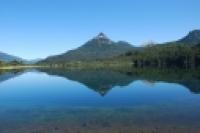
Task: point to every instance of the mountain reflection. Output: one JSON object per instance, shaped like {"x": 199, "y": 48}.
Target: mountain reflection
{"x": 9, "y": 74}
{"x": 102, "y": 81}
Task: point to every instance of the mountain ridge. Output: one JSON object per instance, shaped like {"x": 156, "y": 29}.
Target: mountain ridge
{"x": 192, "y": 38}
{"x": 8, "y": 58}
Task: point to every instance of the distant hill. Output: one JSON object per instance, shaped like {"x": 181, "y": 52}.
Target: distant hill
{"x": 8, "y": 58}
{"x": 33, "y": 61}
{"x": 100, "y": 47}
{"x": 192, "y": 38}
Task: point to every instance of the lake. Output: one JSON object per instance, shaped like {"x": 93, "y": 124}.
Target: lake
{"x": 100, "y": 101}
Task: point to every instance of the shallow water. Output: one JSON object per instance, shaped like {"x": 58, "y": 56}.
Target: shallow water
{"x": 99, "y": 100}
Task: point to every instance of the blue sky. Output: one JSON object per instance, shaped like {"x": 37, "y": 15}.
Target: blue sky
{"x": 39, "y": 28}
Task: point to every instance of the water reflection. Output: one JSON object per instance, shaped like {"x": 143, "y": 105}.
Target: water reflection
{"x": 102, "y": 81}
{"x": 142, "y": 100}
{"x": 9, "y": 74}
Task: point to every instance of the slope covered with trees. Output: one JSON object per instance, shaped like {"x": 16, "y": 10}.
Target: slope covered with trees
{"x": 103, "y": 52}
{"x": 100, "y": 47}
{"x": 11, "y": 63}
{"x": 173, "y": 55}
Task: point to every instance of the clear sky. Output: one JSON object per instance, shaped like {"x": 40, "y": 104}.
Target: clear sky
{"x": 39, "y": 28}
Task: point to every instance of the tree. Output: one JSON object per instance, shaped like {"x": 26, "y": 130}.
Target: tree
{"x": 15, "y": 63}
{"x": 2, "y": 63}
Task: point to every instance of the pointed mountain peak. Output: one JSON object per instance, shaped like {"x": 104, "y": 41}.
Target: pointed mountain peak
{"x": 101, "y": 35}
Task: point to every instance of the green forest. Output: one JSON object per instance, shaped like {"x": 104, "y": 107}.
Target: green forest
{"x": 102, "y": 52}
{"x": 11, "y": 63}
{"x": 160, "y": 56}
{"x": 168, "y": 55}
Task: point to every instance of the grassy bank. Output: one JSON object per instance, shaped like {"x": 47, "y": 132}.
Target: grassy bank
{"x": 97, "y": 64}
{"x": 21, "y": 67}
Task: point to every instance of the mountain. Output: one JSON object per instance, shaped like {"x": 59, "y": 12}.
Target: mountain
{"x": 192, "y": 38}
{"x": 100, "y": 47}
{"x": 7, "y": 58}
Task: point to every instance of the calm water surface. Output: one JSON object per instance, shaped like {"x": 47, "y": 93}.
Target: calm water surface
{"x": 39, "y": 101}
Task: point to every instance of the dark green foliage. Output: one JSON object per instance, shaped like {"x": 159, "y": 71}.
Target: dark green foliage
{"x": 1, "y": 63}
{"x": 173, "y": 55}
{"x": 12, "y": 63}
{"x": 15, "y": 63}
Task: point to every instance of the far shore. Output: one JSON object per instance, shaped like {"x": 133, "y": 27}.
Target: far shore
{"x": 20, "y": 67}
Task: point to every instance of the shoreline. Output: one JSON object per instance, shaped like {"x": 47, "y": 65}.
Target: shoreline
{"x": 20, "y": 67}
{"x": 105, "y": 127}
